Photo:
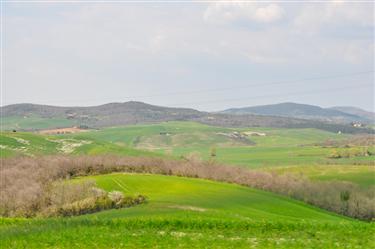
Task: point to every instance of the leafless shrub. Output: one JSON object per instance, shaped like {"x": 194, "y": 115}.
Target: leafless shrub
{"x": 363, "y": 140}
{"x": 62, "y": 193}
{"x": 116, "y": 196}
{"x": 351, "y": 152}
{"x": 26, "y": 181}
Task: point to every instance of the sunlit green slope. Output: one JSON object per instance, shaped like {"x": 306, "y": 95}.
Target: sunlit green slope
{"x": 33, "y": 144}
{"x": 191, "y": 213}
{"x": 251, "y": 147}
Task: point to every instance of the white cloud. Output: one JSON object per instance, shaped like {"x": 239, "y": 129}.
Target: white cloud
{"x": 353, "y": 52}
{"x": 313, "y": 18}
{"x": 224, "y": 12}
{"x": 270, "y": 13}
{"x": 138, "y": 49}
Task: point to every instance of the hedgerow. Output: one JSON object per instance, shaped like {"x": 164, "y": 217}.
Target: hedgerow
{"x": 26, "y": 181}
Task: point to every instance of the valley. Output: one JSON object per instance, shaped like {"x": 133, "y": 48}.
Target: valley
{"x": 182, "y": 210}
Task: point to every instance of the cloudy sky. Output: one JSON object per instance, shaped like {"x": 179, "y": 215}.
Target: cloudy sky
{"x": 206, "y": 55}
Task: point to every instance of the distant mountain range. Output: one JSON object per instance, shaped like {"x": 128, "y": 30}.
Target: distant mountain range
{"x": 31, "y": 116}
{"x": 294, "y": 110}
{"x": 355, "y": 111}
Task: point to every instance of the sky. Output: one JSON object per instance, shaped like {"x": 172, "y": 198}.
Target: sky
{"x": 204, "y": 55}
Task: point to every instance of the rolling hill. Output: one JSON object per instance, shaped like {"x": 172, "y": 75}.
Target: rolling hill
{"x": 293, "y": 110}
{"x": 36, "y": 117}
{"x": 185, "y": 212}
{"x": 32, "y": 144}
{"x": 100, "y": 116}
{"x": 191, "y": 213}
{"x": 355, "y": 111}
{"x": 303, "y": 151}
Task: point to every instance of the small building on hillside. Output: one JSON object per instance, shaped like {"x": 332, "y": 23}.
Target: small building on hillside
{"x": 357, "y": 124}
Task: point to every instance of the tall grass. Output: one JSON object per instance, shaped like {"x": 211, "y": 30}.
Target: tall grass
{"x": 25, "y": 181}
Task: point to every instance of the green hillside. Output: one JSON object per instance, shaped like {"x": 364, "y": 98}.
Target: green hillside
{"x": 34, "y": 123}
{"x": 362, "y": 175}
{"x": 293, "y": 150}
{"x": 33, "y": 144}
{"x": 136, "y": 134}
{"x": 202, "y": 196}
{"x": 264, "y": 147}
{"x": 193, "y": 213}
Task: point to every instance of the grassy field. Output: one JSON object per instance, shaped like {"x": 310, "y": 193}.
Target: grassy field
{"x": 278, "y": 147}
{"x": 292, "y": 150}
{"x": 33, "y": 144}
{"x": 191, "y": 213}
{"x": 190, "y": 133}
{"x": 360, "y": 174}
{"x": 196, "y": 213}
{"x": 34, "y": 123}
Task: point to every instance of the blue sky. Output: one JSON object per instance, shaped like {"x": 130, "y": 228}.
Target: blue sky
{"x": 208, "y": 56}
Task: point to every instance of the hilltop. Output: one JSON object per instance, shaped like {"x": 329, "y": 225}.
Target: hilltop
{"x": 37, "y": 117}
{"x": 131, "y": 112}
{"x": 355, "y": 111}
{"x": 294, "y": 110}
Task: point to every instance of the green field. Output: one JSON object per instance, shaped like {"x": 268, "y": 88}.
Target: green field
{"x": 279, "y": 147}
{"x": 282, "y": 148}
{"x": 296, "y": 150}
{"x": 33, "y": 144}
{"x": 34, "y": 123}
{"x": 359, "y": 174}
{"x": 190, "y": 133}
{"x": 193, "y": 213}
